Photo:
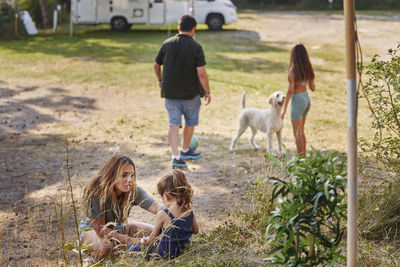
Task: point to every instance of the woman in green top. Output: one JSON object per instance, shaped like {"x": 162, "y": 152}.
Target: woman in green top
{"x": 107, "y": 201}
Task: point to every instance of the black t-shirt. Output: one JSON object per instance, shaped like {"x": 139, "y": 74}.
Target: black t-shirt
{"x": 180, "y": 56}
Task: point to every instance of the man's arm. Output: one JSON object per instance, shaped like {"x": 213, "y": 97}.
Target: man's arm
{"x": 203, "y": 78}
{"x": 157, "y": 70}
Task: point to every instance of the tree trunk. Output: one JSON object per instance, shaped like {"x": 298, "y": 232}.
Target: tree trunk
{"x": 44, "y": 7}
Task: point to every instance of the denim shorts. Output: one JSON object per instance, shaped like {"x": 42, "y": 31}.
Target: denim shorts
{"x": 85, "y": 226}
{"x": 188, "y": 108}
{"x": 300, "y": 105}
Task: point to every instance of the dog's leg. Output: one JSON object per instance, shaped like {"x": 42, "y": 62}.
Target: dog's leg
{"x": 269, "y": 141}
{"x": 279, "y": 137}
{"x": 251, "y": 138}
{"x": 239, "y": 132}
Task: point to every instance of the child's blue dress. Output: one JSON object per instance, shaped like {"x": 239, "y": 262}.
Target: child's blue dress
{"x": 173, "y": 239}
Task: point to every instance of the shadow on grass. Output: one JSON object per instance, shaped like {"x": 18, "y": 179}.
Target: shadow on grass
{"x": 132, "y": 46}
{"x": 251, "y": 65}
{"x": 19, "y": 115}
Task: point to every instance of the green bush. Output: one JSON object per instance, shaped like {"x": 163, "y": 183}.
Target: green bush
{"x": 373, "y": 4}
{"x": 383, "y": 92}
{"x": 34, "y": 9}
{"x": 8, "y": 9}
{"x": 318, "y": 4}
{"x": 306, "y": 226}
{"x": 380, "y": 205}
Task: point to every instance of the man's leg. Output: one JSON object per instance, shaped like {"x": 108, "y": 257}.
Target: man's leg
{"x": 191, "y": 113}
{"x": 187, "y": 136}
{"x": 173, "y": 139}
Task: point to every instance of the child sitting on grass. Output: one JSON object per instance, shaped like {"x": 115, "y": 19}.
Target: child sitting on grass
{"x": 176, "y": 223}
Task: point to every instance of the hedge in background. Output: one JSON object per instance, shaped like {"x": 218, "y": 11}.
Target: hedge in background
{"x": 317, "y": 4}
{"x": 8, "y": 9}
{"x": 34, "y": 9}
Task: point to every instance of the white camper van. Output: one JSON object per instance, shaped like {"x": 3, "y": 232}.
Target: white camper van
{"x": 121, "y": 14}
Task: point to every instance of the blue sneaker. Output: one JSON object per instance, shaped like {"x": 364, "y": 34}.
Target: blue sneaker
{"x": 191, "y": 154}
{"x": 178, "y": 163}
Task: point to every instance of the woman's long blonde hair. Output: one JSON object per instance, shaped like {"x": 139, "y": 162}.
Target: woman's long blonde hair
{"x": 103, "y": 185}
{"x": 300, "y": 64}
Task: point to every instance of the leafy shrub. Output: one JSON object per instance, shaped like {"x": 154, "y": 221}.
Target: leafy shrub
{"x": 305, "y": 227}
{"x": 383, "y": 91}
{"x": 379, "y": 203}
{"x": 319, "y": 4}
{"x": 8, "y": 10}
{"x": 33, "y": 6}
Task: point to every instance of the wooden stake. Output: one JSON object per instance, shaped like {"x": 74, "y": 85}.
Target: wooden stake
{"x": 349, "y": 13}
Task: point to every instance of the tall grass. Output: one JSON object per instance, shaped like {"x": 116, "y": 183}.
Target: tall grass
{"x": 379, "y": 208}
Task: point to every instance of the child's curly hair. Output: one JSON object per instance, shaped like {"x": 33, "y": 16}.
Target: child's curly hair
{"x": 176, "y": 185}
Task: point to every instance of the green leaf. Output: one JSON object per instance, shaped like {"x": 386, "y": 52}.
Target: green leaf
{"x": 274, "y": 161}
{"x": 326, "y": 189}
{"x": 68, "y": 246}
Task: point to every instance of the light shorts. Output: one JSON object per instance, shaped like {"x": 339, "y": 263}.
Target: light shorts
{"x": 188, "y": 108}
{"x": 300, "y": 105}
{"x": 85, "y": 226}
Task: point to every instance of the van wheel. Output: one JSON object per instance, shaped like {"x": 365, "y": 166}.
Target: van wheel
{"x": 119, "y": 24}
{"x": 215, "y": 22}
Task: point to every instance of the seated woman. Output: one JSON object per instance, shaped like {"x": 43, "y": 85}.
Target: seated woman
{"x": 107, "y": 201}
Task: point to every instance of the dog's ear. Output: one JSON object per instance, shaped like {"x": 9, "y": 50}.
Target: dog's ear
{"x": 271, "y": 99}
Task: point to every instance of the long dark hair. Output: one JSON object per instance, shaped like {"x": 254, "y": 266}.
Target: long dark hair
{"x": 300, "y": 64}
{"x": 177, "y": 186}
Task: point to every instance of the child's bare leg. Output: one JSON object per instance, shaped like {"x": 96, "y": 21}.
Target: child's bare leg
{"x": 138, "y": 229}
{"x": 100, "y": 248}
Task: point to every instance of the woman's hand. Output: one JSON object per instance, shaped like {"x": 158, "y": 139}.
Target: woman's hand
{"x": 312, "y": 85}
{"x": 283, "y": 115}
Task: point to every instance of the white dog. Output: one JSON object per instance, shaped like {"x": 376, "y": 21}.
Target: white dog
{"x": 268, "y": 121}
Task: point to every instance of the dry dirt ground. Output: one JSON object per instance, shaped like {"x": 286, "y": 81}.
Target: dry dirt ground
{"x": 37, "y": 119}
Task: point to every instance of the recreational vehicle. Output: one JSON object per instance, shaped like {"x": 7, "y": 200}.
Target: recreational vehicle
{"x": 121, "y": 14}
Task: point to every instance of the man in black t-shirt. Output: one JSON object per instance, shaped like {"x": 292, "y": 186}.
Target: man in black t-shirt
{"x": 183, "y": 80}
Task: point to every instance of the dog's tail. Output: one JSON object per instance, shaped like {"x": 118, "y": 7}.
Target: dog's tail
{"x": 243, "y": 99}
